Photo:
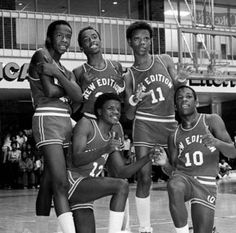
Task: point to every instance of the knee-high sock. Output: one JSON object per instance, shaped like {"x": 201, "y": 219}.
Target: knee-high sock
{"x": 126, "y": 223}
{"x": 115, "y": 221}
{"x": 143, "y": 211}
{"x": 66, "y": 222}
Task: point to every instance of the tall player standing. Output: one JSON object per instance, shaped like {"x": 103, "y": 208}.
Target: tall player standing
{"x": 150, "y": 85}
{"x": 52, "y": 128}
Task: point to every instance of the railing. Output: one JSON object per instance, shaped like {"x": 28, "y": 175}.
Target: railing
{"x": 21, "y": 33}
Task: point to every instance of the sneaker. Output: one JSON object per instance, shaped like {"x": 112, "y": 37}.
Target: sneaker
{"x": 214, "y": 230}
{"x": 145, "y": 230}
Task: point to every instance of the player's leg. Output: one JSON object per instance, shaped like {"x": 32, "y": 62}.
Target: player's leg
{"x": 84, "y": 220}
{"x": 104, "y": 186}
{"x": 178, "y": 193}
{"x": 55, "y": 162}
{"x": 44, "y": 197}
{"x": 202, "y": 218}
{"x": 143, "y": 191}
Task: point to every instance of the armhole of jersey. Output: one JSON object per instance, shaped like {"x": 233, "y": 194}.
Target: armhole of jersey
{"x": 204, "y": 121}
{"x": 114, "y": 66}
{"x": 94, "y": 129}
{"x": 133, "y": 80}
{"x": 175, "y": 136}
{"x": 163, "y": 64}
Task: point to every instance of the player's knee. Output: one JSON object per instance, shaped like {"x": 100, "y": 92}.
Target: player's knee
{"x": 175, "y": 186}
{"x": 61, "y": 186}
{"x": 144, "y": 179}
{"x": 123, "y": 187}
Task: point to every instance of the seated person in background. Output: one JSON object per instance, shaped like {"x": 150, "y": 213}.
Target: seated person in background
{"x": 93, "y": 146}
{"x": 224, "y": 168}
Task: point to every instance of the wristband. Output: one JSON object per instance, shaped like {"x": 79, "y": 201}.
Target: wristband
{"x": 132, "y": 102}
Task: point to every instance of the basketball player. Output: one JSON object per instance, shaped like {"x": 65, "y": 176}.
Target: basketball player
{"x": 51, "y": 121}
{"x": 93, "y": 147}
{"x": 98, "y": 75}
{"x": 194, "y": 155}
{"x": 150, "y": 85}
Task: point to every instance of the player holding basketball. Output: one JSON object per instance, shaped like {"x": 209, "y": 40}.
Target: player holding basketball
{"x": 93, "y": 147}
{"x": 194, "y": 155}
{"x": 53, "y": 87}
{"x": 150, "y": 85}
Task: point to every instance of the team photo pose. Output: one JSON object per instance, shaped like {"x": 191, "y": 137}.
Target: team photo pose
{"x": 193, "y": 153}
{"x": 93, "y": 147}
{"x": 53, "y": 88}
{"x": 149, "y": 99}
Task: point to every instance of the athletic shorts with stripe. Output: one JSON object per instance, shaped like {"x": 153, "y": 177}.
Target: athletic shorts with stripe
{"x": 52, "y": 125}
{"x": 74, "y": 180}
{"x": 149, "y": 133}
{"x": 200, "y": 189}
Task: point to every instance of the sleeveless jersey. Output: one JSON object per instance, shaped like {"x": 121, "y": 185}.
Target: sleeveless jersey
{"x": 159, "y": 105}
{"x": 96, "y": 167}
{"x": 194, "y": 158}
{"x": 109, "y": 80}
{"x": 39, "y": 99}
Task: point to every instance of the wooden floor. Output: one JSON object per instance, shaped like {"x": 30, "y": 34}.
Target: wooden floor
{"x": 17, "y": 211}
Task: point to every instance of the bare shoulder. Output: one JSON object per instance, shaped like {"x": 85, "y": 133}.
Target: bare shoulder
{"x": 167, "y": 59}
{"x": 212, "y": 118}
{"x": 117, "y": 65}
{"x": 78, "y": 71}
{"x": 83, "y": 124}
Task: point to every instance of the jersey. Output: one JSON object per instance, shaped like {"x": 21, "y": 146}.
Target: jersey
{"x": 155, "y": 113}
{"x": 39, "y": 99}
{"x": 95, "y": 167}
{"x": 109, "y": 79}
{"x": 51, "y": 123}
{"x": 194, "y": 158}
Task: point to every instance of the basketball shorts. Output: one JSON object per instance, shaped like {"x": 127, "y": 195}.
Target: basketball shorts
{"x": 52, "y": 126}
{"x": 74, "y": 180}
{"x": 201, "y": 189}
{"x": 150, "y": 133}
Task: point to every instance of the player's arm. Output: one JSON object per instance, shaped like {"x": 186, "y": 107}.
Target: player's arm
{"x": 83, "y": 132}
{"x": 130, "y": 101}
{"x": 66, "y": 80}
{"x": 218, "y": 136}
{"x": 119, "y": 169}
{"x": 35, "y": 71}
{"x": 179, "y": 78}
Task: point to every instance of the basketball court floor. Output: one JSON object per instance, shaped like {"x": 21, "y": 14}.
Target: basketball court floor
{"x": 17, "y": 213}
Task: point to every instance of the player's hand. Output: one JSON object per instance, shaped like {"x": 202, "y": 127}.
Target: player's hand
{"x": 47, "y": 69}
{"x": 89, "y": 77}
{"x": 158, "y": 156}
{"x": 183, "y": 73}
{"x": 114, "y": 143}
{"x": 140, "y": 93}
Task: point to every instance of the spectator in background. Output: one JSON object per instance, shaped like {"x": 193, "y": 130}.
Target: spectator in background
{"x": 224, "y": 168}
{"x": 26, "y": 172}
{"x": 13, "y": 158}
{"x": 21, "y": 138}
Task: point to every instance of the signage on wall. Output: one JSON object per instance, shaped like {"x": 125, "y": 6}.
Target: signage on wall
{"x": 14, "y": 72}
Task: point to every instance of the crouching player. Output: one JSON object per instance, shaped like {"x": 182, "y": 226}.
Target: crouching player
{"x": 93, "y": 147}
{"x": 193, "y": 158}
